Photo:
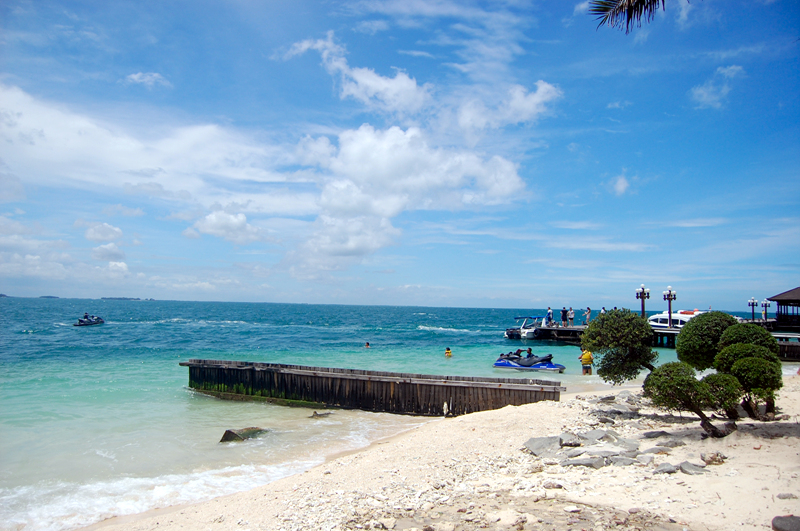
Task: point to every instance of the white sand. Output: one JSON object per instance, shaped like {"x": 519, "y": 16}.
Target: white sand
{"x": 472, "y": 472}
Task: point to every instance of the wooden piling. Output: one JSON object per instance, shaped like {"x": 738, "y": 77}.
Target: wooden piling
{"x": 413, "y": 394}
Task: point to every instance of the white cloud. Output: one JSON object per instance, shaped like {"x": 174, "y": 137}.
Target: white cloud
{"x": 232, "y": 227}
{"x": 11, "y": 189}
{"x": 399, "y": 94}
{"x": 122, "y": 211}
{"x": 387, "y": 172}
{"x": 618, "y": 105}
{"x": 620, "y": 185}
{"x": 518, "y": 106}
{"x": 371, "y": 27}
{"x": 108, "y": 252}
{"x": 149, "y": 79}
{"x": 416, "y": 53}
{"x": 103, "y": 232}
{"x": 713, "y": 93}
{"x": 581, "y": 9}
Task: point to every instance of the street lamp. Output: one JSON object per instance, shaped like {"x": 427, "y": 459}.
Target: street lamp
{"x": 765, "y": 305}
{"x": 642, "y": 293}
{"x": 670, "y": 296}
{"x": 753, "y": 303}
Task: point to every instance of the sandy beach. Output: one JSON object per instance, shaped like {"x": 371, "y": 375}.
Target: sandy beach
{"x": 610, "y": 463}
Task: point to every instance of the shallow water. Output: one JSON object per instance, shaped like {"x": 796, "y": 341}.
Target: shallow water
{"x": 97, "y": 421}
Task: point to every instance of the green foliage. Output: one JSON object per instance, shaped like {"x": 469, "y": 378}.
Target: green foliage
{"x": 698, "y": 339}
{"x": 729, "y": 355}
{"x": 674, "y": 387}
{"x": 759, "y": 377}
{"x": 748, "y": 333}
{"x": 725, "y": 392}
{"x": 620, "y": 342}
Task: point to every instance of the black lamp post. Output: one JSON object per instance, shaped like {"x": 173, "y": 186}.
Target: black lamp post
{"x": 642, "y": 293}
{"x": 670, "y": 296}
{"x": 765, "y": 305}
{"x": 752, "y": 303}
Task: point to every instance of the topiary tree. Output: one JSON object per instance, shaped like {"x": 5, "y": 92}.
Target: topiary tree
{"x": 726, "y": 392}
{"x": 748, "y": 333}
{"x": 729, "y": 355}
{"x": 698, "y": 339}
{"x": 760, "y": 379}
{"x": 674, "y": 387}
{"x": 620, "y": 342}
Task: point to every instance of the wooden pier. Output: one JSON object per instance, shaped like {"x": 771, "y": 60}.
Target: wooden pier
{"x": 413, "y": 394}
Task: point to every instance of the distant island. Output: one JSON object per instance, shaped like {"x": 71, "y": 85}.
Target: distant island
{"x": 120, "y": 298}
{"x": 3, "y": 295}
{"x": 48, "y": 297}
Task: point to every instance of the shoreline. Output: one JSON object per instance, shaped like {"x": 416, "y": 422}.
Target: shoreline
{"x": 472, "y": 471}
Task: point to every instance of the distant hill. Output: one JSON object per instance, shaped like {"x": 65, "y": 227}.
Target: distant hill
{"x": 48, "y": 297}
{"x": 120, "y": 298}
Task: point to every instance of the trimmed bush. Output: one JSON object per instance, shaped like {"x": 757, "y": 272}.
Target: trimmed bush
{"x": 760, "y": 379}
{"x": 674, "y": 387}
{"x": 725, "y": 392}
{"x": 729, "y": 355}
{"x": 620, "y": 342}
{"x": 758, "y": 376}
{"x": 698, "y": 339}
{"x": 748, "y": 333}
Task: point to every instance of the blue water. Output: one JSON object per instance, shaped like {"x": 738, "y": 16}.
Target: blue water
{"x": 98, "y": 421}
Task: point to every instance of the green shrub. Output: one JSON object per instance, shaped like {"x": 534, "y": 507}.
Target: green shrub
{"x": 758, "y": 376}
{"x": 729, "y": 355}
{"x": 674, "y": 387}
{"x": 620, "y": 342}
{"x": 725, "y": 393}
{"x": 760, "y": 379}
{"x": 698, "y": 339}
{"x": 748, "y": 333}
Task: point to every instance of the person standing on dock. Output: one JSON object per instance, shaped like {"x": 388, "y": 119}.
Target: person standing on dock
{"x": 571, "y": 316}
{"x": 548, "y": 318}
{"x": 564, "y": 316}
{"x": 587, "y": 315}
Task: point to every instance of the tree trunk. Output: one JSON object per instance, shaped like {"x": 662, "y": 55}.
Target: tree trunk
{"x": 709, "y": 428}
{"x": 732, "y": 413}
{"x": 750, "y": 407}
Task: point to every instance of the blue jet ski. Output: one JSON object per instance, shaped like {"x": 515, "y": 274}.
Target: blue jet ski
{"x": 528, "y": 363}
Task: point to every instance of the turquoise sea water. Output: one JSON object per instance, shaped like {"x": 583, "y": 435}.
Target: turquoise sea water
{"x": 98, "y": 421}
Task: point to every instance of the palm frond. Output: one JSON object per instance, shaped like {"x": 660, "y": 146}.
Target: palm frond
{"x": 624, "y": 13}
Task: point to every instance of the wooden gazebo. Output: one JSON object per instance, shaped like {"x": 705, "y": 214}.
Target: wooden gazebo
{"x": 788, "y": 313}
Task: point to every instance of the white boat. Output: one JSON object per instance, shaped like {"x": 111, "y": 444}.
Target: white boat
{"x": 679, "y": 318}
{"x": 529, "y": 329}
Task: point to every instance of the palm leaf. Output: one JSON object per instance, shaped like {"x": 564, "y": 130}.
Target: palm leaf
{"x": 619, "y": 13}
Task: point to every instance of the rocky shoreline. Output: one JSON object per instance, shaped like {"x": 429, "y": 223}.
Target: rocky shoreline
{"x": 587, "y": 463}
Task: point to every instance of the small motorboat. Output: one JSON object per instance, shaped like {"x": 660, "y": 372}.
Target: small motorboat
{"x": 528, "y": 363}
{"x": 529, "y": 329}
{"x": 89, "y": 320}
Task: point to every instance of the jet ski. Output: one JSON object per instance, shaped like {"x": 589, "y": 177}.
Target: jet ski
{"x": 89, "y": 320}
{"x": 528, "y": 363}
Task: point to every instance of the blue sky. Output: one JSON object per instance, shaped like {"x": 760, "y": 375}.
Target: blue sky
{"x": 437, "y": 153}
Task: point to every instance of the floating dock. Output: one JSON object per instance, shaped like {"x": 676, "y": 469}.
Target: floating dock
{"x": 320, "y": 387}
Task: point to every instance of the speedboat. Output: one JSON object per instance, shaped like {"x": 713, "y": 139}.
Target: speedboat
{"x": 529, "y": 329}
{"x": 89, "y": 321}
{"x": 528, "y": 363}
{"x": 679, "y": 318}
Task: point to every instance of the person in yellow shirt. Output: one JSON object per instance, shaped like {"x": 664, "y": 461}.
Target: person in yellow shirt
{"x": 447, "y": 352}
{"x": 586, "y": 362}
